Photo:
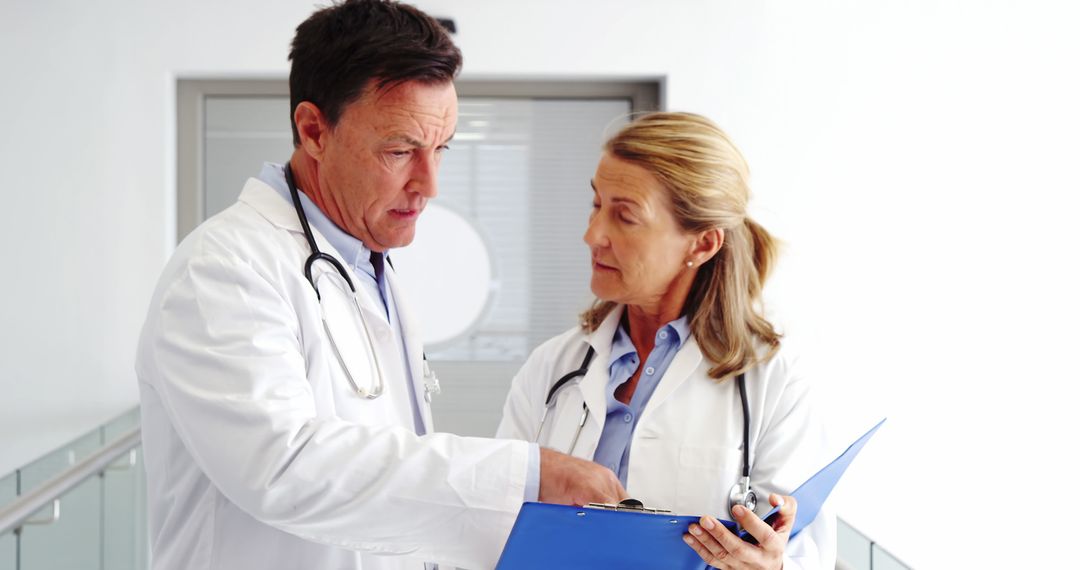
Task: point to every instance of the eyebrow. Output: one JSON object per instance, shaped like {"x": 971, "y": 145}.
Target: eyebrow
{"x": 616, "y": 199}
{"x": 413, "y": 142}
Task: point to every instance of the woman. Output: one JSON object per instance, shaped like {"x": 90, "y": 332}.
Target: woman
{"x": 652, "y": 385}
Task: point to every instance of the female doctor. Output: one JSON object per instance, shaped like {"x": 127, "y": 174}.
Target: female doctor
{"x": 675, "y": 380}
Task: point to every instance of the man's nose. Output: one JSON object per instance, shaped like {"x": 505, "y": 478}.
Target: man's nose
{"x": 425, "y": 175}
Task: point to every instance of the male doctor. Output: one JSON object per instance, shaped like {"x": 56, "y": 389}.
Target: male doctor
{"x": 275, "y": 440}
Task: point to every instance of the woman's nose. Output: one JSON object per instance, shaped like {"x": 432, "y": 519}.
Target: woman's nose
{"x": 594, "y": 233}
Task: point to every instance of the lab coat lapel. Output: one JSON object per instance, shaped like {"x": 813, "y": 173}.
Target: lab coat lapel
{"x": 272, "y": 206}
{"x": 594, "y": 385}
{"x": 686, "y": 361}
{"x": 414, "y": 347}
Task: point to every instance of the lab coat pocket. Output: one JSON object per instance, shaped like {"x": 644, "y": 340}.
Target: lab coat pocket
{"x": 706, "y": 474}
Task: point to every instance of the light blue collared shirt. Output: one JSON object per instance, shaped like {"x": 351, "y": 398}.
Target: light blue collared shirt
{"x": 613, "y": 450}
{"x": 358, "y": 257}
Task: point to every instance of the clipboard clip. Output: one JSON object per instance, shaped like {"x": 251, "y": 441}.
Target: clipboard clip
{"x": 627, "y": 505}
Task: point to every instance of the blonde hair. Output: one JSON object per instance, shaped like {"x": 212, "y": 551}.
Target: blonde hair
{"x": 706, "y": 178}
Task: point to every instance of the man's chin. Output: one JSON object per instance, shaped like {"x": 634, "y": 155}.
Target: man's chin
{"x": 397, "y": 240}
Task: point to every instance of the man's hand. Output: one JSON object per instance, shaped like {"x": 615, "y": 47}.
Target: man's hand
{"x": 568, "y": 480}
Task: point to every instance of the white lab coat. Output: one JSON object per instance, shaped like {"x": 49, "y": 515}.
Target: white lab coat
{"x": 258, "y": 453}
{"x": 685, "y": 452}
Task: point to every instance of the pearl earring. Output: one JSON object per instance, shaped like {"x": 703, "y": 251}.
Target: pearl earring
{"x": 689, "y": 263}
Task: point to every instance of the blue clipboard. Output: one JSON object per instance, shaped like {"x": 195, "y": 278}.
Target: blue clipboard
{"x": 557, "y": 536}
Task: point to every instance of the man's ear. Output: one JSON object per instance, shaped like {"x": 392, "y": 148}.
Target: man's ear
{"x": 705, "y": 245}
{"x": 313, "y": 129}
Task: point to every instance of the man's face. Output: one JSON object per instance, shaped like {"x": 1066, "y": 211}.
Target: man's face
{"x": 381, "y": 160}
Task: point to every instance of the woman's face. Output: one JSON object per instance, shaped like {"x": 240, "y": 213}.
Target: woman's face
{"x": 639, "y": 251}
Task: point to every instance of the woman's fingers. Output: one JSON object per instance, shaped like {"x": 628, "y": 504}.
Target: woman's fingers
{"x": 785, "y": 517}
{"x": 718, "y": 542}
{"x": 711, "y": 558}
{"x": 720, "y": 547}
{"x": 772, "y": 538}
{"x": 753, "y": 524}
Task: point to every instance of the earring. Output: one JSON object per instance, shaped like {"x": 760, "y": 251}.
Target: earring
{"x": 689, "y": 263}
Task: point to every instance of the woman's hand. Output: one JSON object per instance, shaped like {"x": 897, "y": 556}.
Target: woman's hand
{"x": 723, "y": 549}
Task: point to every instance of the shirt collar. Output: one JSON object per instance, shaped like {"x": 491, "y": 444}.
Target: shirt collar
{"x": 681, "y": 328}
{"x": 621, "y": 346}
{"x": 351, "y": 249}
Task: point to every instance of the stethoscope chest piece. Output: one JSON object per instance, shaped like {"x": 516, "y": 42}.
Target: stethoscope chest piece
{"x": 742, "y": 494}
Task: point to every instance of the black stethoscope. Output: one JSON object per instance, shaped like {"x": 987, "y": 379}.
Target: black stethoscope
{"x": 375, "y": 389}
{"x": 741, "y": 493}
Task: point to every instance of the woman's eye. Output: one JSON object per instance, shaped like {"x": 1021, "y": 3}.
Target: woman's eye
{"x": 626, "y": 217}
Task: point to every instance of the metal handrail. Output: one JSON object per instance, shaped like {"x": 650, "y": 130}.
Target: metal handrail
{"x": 18, "y": 513}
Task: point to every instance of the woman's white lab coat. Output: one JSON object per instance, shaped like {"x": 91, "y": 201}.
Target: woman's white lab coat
{"x": 685, "y": 452}
{"x": 259, "y": 453}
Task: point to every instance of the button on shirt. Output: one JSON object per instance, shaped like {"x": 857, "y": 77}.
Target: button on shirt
{"x": 613, "y": 450}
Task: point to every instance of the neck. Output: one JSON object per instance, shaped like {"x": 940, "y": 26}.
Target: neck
{"x": 306, "y": 175}
{"x": 643, "y": 326}
{"x": 646, "y": 319}
{"x": 305, "y": 171}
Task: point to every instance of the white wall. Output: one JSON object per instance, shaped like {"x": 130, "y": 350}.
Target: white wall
{"x": 918, "y": 158}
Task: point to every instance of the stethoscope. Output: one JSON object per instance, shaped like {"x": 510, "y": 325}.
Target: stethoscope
{"x": 549, "y": 402}
{"x": 431, "y": 382}
{"x": 741, "y": 492}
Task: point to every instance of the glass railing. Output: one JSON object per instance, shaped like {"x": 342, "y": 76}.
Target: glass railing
{"x": 855, "y": 551}
{"x": 101, "y": 523}
{"x": 98, "y": 524}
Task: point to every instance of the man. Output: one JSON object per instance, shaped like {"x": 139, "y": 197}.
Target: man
{"x": 284, "y": 421}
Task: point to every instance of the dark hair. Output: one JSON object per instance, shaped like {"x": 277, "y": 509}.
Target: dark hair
{"x": 339, "y": 50}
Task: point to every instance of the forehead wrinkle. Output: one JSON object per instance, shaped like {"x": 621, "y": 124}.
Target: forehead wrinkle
{"x": 424, "y": 112}
{"x": 413, "y": 126}
{"x": 631, "y": 200}
{"x": 405, "y": 139}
